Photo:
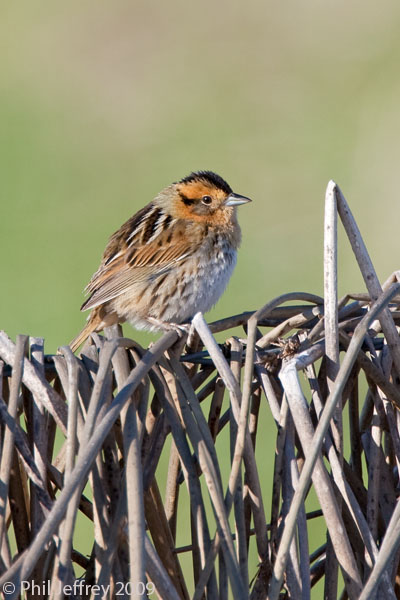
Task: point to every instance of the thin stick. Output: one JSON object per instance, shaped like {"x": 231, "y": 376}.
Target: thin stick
{"x": 158, "y": 574}
{"x": 374, "y": 475}
{"x": 162, "y": 538}
{"x": 331, "y": 308}
{"x": 8, "y": 443}
{"x": 36, "y": 383}
{"x": 39, "y": 435}
{"x": 349, "y": 497}
{"x": 236, "y": 454}
{"x": 388, "y": 548}
{"x": 133, "y": 479}
{"x": 27, "y": 460}
{"x": 332, "y": 356}
{"x": 84, "y": 462}
{"x": 188, "y": 466}
{"x": 249, "y": 459}
{"x": 368, "y": 273}
{"x": 322, "y": 484}
{"x": 210, "y": 471}
{"x": 172, "y": 490}
{"x": 63, "y": 571}
{"x": 320, "y": 433}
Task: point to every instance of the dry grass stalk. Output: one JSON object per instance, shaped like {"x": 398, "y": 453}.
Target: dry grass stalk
{"x": 116, "y": 406}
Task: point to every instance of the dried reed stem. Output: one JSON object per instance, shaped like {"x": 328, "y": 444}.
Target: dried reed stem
{"x": 116, "y": 406}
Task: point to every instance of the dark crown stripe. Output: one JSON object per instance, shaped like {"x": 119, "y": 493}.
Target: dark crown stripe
{"x": 210, "y": 177}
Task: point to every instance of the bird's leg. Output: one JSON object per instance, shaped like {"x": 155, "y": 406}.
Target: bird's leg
{"x": 181, "y": 328}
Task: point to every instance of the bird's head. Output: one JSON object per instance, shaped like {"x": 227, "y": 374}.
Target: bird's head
{"x": 203, "y": 196}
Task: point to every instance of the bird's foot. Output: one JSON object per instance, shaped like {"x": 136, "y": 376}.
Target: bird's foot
{"x": 180, "y": 328}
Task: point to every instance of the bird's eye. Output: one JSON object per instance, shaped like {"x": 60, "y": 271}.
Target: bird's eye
{"x": 206, "y": 200}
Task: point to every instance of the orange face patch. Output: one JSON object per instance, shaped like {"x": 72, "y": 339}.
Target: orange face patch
{"x": 188, "y": 204}
{"x": 195, "y": 190}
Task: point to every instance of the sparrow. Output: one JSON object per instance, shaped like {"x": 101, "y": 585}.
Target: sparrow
{"x": 170, "y": 260}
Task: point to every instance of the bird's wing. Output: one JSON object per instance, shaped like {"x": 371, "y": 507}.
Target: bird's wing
{"x": 149, "y": 251}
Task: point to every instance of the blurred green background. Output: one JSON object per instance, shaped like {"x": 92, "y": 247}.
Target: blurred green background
{"x": 103, "y": 104}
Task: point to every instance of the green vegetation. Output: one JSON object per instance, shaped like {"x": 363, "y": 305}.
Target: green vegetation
{"x": 101, "y": 107}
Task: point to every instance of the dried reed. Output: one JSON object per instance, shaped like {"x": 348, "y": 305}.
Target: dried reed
{"x": 116, "y": 405}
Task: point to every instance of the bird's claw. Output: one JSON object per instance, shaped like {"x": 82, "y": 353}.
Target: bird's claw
{"x": 180, "y": 328}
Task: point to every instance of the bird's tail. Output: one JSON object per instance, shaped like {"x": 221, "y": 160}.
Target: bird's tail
{"x": 94, "y": 324}
{"x": 98, "y": 319}
{"x": 81, "y": 337}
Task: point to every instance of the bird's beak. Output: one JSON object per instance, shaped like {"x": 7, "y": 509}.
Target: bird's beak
{"x": 236, "y": 200}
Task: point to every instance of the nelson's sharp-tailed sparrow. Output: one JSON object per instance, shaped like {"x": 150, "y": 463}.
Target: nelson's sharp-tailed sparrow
{"x": 172, "y": 259}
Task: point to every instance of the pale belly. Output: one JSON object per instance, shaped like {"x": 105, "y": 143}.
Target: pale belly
{"x": 192, "y": 286}
{"x": 201, "y": 292}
